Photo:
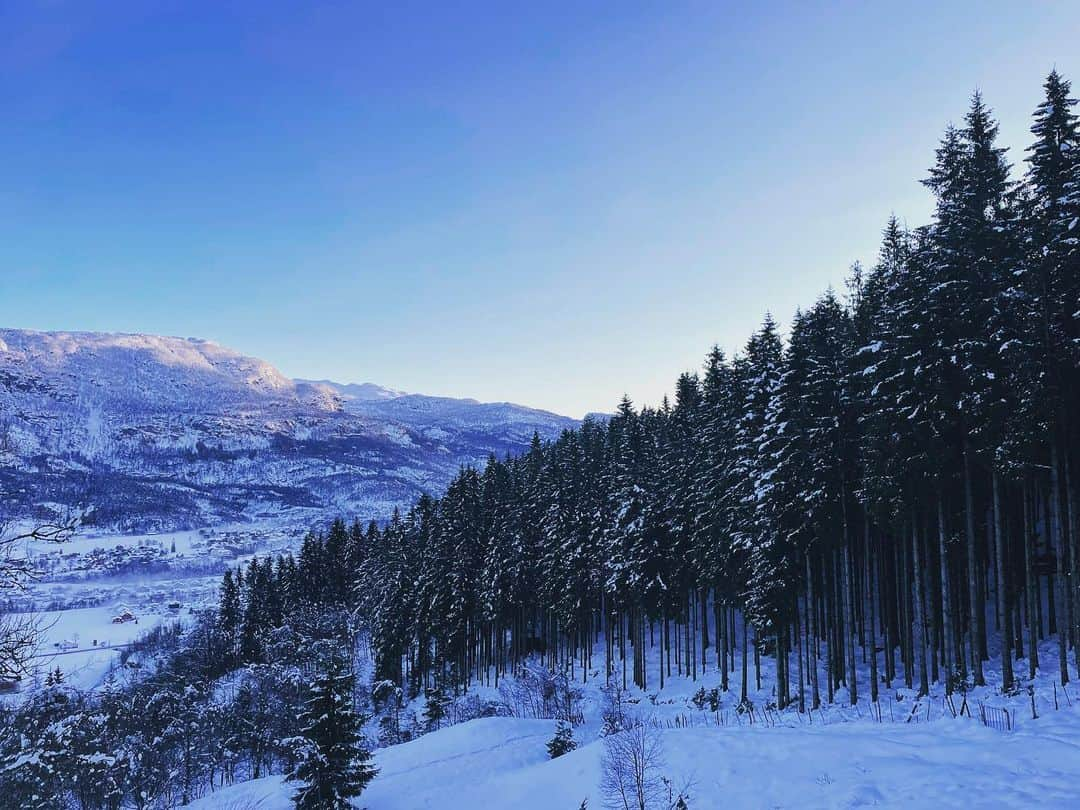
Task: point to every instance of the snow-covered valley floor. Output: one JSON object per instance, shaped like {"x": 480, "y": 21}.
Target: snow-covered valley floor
{"x": 502, "y": 763}
{"x": 88, "y": 580}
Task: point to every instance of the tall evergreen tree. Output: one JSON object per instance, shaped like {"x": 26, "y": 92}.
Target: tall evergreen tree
{"x": 332, "y": 764}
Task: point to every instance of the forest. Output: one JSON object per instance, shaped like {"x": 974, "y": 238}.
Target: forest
{"x": 891, "y": 484}
{"x": 896, "y": 481}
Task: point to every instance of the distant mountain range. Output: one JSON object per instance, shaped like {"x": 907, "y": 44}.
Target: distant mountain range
{"x": 153, "y": 432}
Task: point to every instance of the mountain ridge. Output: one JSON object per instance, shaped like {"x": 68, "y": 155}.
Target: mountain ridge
{"x": 155, "y": 432}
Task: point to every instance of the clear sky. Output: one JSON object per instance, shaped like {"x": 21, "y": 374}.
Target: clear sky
{"x": 550, "y": 204}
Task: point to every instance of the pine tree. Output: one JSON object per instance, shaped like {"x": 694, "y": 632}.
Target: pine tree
{"x": 435, "y": 705}
{"x": 563, "y": 741}
{"x": 333, "y": 764}
{"x": 1053, "y": 286}
{"x": 907, "y": 459}
{"x": 229, "y": 616}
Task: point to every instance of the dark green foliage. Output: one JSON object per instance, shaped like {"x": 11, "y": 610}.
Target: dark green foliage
{"x": 435, "y": 708}
{"x": 332, "y": 762}
{"x": 563, "y": 741}
{"x": 873, "y": 465}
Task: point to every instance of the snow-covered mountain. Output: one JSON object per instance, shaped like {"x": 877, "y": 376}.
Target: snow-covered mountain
{"x": 163, "y": 432}
{"x": 357, "y": 391}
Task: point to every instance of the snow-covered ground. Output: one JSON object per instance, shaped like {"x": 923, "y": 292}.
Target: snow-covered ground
{"x": 502, "y": 763}
{"x": 85, "y": 582}
{"x": 94, "y": 566}
{"x": 85, "y": 643}
{"x": 917, "y": 755}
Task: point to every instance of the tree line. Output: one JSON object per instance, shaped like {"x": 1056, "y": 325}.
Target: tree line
{"x": 895, "y": 483}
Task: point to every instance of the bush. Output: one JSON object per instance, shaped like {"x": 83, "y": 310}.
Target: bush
{"x": 711, "y": 698}
{"x": 563, "y": 741}
{"x": 540, "y": 694}
{"x": 435, "y": 708}
{"x": 631, "y": 768}
{"x": 616, "y": 716}
{"x": 470, "y": 707}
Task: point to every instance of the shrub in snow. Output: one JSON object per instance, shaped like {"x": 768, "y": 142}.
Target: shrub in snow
{"x": 389, "y": 699}
{"x": 711, "y": 698}
{"x": 470, "y": 707}
{"x": 435, "y": 708}
{"x": 563, "y": 741}
{"x": 384, "y": 691}
{"x": 540, "y": 694}
{"x": 616, "y": 716}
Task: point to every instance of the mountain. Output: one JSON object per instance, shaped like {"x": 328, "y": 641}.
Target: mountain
{"x": 357, "y": 391}
{"x": 151, "y": 433}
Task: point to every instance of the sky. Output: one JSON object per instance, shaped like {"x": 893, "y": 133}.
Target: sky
{"x": 552, "y": 204}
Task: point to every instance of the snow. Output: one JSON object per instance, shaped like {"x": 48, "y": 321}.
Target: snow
{"x": 85, "y": 664}
{"x": 917, "y": 755}
{"x": 502, "y": 763}
{"x": 86, "y": 540}
{"x": 361, "y": 391}
{"x": 182, "y": 432}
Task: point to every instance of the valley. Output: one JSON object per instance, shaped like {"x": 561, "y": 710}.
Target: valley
{"x": 178, "y": 458}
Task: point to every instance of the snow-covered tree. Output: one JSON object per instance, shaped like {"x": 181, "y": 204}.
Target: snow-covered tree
{"x": 332, "y": 760}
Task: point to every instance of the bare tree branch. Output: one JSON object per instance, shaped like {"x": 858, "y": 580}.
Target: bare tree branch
{"x": 20, "y": 632}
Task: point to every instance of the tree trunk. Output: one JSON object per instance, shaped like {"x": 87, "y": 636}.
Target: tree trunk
{"x": 745, "y": 662}
{"x": 848, "y": 624}
{"x": 946, "y": 599}
{"x": 1002, "y": 589}
{"x": 1060, "y": 609}
{"x": 907, "y": 624}
{"x": 975, "y": 605}
{"x": 919, "y": 623}
{"x": 799, "y": 652}
{"x": 1073, "y": 524}
{"x": 872, "y": 619}
{"x": 703, "y": 598}
{"x": 1032, "y": 594}
{"x": 812, "y": 636}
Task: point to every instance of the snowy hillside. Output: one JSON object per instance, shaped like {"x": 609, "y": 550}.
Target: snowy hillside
{"x": 501, "y": 762}
{"x": 160, "y": 432}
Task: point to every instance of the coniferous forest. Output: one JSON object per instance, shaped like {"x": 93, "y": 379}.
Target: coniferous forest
{"x": 896, "y": 482}
{"x": 892, "y": 485}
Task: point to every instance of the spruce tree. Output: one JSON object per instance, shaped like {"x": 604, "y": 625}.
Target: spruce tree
{"x": 905, "y": 466}
{"x": 563, "y": 741}
{"x": 333, "y": 763}
{"x": 1053, "y": 286}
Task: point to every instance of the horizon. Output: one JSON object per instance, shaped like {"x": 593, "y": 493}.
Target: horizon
{"x": 359, "y": 197}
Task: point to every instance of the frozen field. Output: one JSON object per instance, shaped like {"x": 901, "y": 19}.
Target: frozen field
{"x": 86, "y": 581}
{"x": 85, "y": 643}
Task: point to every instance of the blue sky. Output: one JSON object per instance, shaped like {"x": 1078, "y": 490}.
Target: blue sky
{"x": 550, "y": 205}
